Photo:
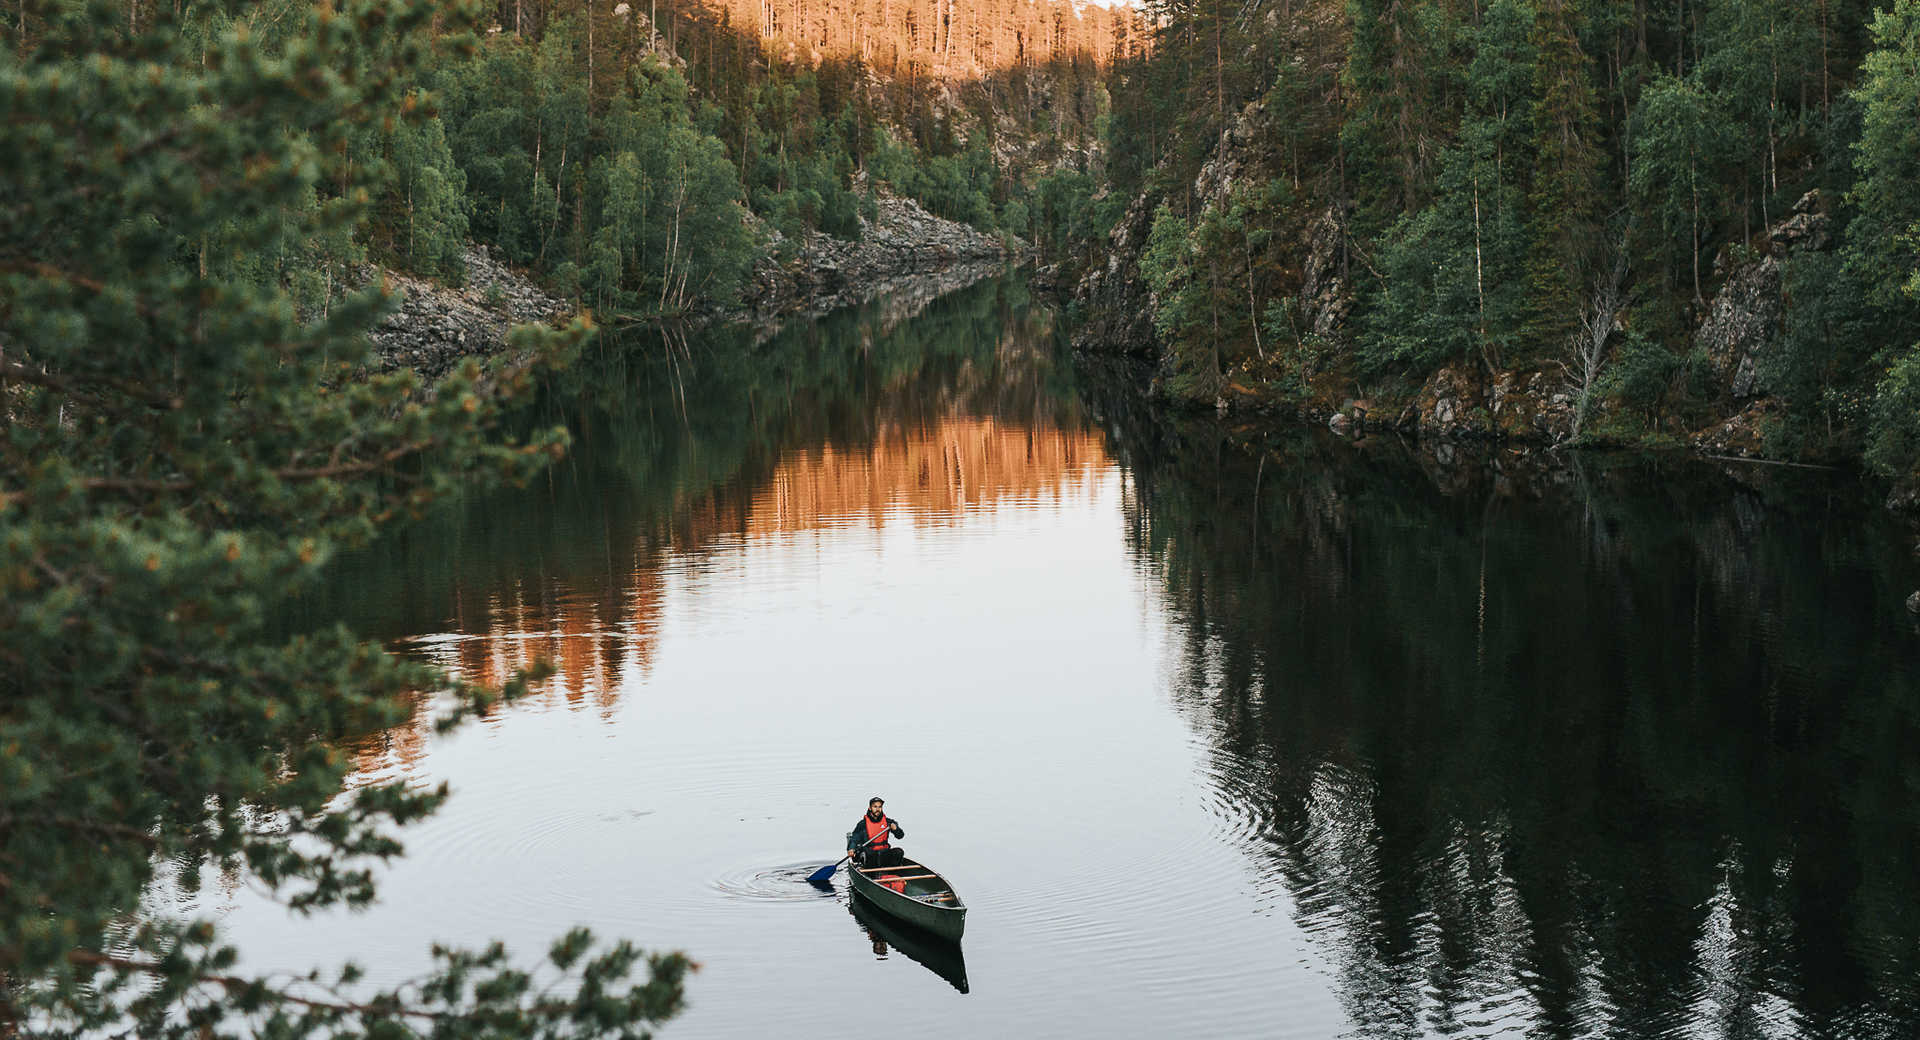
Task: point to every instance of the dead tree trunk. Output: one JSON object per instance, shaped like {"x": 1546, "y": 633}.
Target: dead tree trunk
{"x": 1588, "y": 349}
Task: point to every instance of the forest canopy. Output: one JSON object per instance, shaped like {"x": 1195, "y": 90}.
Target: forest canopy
{"x": 1325, "y": 199}
{"x": 1561, "y": 186}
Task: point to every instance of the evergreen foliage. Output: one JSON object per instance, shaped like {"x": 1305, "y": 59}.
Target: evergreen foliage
{"x": 1885, "y": 242}
{"x": 184, "y": 441}
{"x": 1202, "y": 273}
{"x": 609, "y": 186}
{"x": 957, "y": 187}
{"x": 1680, "y": 145}
{"x": 1885, "y": 238}
{"x": 1830, "y": 335}
{"x": 1505, "y": 183}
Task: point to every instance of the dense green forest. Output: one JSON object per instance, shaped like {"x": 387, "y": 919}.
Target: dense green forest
{"x": 581, "y": 145}
{"x": 196, "y": 197}
{"x": 195, "y": 201}
{"x": 181, "y": 443}
{"x": 585, "y": 146}
{"x": 1559, "y": 184}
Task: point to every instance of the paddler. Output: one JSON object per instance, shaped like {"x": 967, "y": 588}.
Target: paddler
{"x": 870, "y": 841}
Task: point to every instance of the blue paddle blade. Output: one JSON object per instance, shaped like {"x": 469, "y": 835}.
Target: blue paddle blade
{"x": 825, "y": 872}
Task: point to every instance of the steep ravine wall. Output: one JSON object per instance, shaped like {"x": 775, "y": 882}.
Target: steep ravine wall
{"x": 436, "y": 325}
{"x": 904, "y": 248}
{"x": 1531, "y": 405}
{"x": 904, "y": 241}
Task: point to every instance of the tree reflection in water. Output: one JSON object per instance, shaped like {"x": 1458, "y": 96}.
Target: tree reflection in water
{"x": 1583, "y": 748}
{"x": 1593, "y": 748}
{"x": 950, "y": 405}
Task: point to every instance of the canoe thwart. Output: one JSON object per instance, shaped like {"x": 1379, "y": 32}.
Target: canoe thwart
{"x": 939, "y": 909}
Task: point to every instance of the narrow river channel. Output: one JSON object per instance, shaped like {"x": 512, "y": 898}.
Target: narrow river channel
{"x": 1217, "y": 735}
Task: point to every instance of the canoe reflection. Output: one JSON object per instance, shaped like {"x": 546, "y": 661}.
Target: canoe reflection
{"x": 938, "y": 955}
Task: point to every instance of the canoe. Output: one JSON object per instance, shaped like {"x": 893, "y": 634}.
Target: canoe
{"x": 940, "y": 956}
{"x": 913, "y": 894}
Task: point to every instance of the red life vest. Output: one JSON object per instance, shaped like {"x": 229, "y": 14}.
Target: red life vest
{"x": 881, "y": 829}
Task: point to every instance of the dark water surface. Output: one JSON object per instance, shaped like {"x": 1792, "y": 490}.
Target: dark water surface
{"x": 1217, "y": 736}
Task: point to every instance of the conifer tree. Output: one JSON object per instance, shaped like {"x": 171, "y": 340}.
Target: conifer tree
{"x": 182, "y": 443}
{"x": 1566, "y": 166}
{"x": 1391, "y": 68}
{"x": 1759, "y": 60}
{"x": 1679, "y": 145}
{"x": 425, "y": 198}
{"x": 1455, "y": 284}
{"x": 1884, "y": 246}
{"x": 1884, "y": 239}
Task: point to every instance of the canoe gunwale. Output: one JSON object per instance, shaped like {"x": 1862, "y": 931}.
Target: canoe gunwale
{"x": 941, "y": 918}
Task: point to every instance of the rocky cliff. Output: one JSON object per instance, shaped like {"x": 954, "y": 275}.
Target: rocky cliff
{"x": 1746, "y": 318}
{"x": 904, "y": 241}
{"x": 437, "y": 325}
{"x": 1117, "y": 304}
{"x": 1744, "y": 326}
{"x": 1113, "y": 294}
{"x": 1535, "y": 402}
{"x": 904, "y": 249}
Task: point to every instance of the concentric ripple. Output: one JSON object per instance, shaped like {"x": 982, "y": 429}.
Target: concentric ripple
{"x": 786, "y": 883}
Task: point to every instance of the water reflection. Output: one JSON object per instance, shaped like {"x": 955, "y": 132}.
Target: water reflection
{"x": 1576, "y": 749}
{"x": 887, "y": 936}
{"x": 951, "y": 407}
{"x": 1478, "y": 744}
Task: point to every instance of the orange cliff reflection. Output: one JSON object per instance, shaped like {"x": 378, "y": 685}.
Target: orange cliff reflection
{"x": 934, "y": 476}
{"x": 601, "y": 625}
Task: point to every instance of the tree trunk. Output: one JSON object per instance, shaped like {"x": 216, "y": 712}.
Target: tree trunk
{"x": 1698, "y": 299}
{"x": 1479, "y": 278}
{"x": 1253, "y": 306}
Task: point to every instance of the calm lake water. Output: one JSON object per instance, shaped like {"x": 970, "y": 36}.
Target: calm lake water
{"x": 1217, "y": 734}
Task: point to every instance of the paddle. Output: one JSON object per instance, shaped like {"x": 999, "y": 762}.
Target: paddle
{"x": 827, "y": 871}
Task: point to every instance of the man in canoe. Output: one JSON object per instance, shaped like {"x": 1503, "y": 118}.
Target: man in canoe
{"x": 870, "y": 841}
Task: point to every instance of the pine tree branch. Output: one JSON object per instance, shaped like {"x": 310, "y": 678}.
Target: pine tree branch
{"x": 117, "y": 830}
{"x": 291, "y": 473}
{"x": 42, "y": 269}
{"x": 96, "y": 959}
{"x": 81, "y": 384}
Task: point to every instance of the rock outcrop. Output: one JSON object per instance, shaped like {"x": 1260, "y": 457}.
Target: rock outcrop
{"x": 1746, "y": 318}
{"x": 436, "y": 325}
{"x": 903, "y": 242}
{"x": 1117, "y": 304}
{"x": 1114, "y": 295}
{"x": 905, "y": 249}
{"x": 1326, "y": 293}
{"x": 1742, "y": 435}
{"x": 1527, "y": 405}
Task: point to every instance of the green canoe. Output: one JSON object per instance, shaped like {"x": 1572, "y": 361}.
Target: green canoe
{"x": 915, "y": 895}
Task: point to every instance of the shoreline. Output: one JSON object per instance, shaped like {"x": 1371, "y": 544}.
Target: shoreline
{"x": 904, "y": 249}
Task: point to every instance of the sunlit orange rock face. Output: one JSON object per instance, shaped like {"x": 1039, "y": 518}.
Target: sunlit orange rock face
{"x": 941, "y": 38}
{"x": 595, "y": 629}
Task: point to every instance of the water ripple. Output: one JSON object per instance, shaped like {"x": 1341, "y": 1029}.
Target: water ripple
{"x": 786, "y": 883}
